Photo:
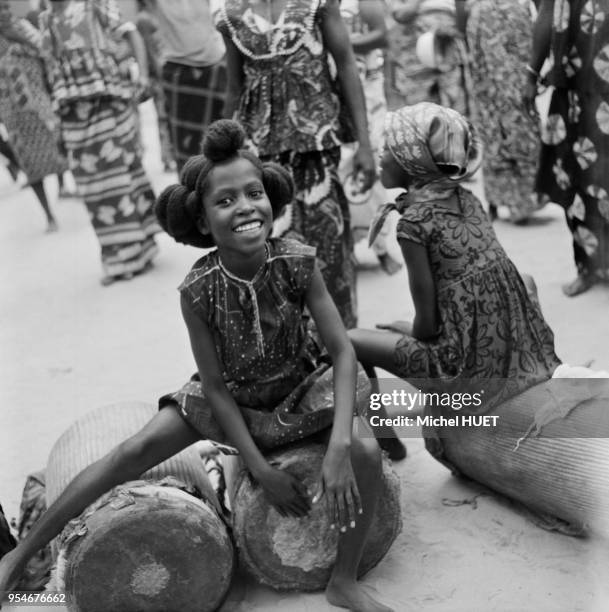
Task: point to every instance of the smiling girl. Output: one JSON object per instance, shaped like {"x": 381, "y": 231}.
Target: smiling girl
{"x": 258, "y": 362}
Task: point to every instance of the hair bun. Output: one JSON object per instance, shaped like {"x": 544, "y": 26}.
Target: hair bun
{"x": 173, "y": 209}
{"x": 222, "y": 140}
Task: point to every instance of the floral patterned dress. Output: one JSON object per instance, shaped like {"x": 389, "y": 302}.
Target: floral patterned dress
{"x": 499, "y": 33}
{"x": 489, "y": 327}
{"x": 270, "y": 356}
{"x": 292, "y": 112}
{"x": 574, "y": 166}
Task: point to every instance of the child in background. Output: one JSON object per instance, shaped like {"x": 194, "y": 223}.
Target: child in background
{"x": 474, "y": 318}
{"x": 243, "y": 304}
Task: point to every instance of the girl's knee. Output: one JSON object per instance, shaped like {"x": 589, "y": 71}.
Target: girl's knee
{"x": 365, "y": 453}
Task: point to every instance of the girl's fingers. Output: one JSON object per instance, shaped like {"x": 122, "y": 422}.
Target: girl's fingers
{"x": 318, "y": 491}
{"x": 341, "y": 507}
{"x": 357, "y": 500}
{"x": 332, "y": 510}
{"x": 350, "y": 508}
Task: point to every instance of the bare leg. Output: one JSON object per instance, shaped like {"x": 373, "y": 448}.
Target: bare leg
{"x": 372, "y": 349}
{"x": 165, "y": 435}
{"x": 38, "y": 188}
{"x": 343, "y": 589}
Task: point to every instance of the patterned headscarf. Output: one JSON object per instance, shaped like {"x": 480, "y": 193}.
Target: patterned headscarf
{"x": 433, "y": 144}
{"x": 436, "y": 146}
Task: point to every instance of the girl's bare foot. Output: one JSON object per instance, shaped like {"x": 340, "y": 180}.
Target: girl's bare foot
{"x": 388, "y": 264}
{"x": 582, "y": 283}
{"x": 350, "y": 594}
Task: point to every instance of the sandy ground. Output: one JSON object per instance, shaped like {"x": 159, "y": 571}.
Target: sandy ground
{"x": 68, "y": 345}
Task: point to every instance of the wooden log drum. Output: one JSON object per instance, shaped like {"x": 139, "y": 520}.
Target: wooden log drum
{"x": 548, "y": 450}
{"x": 298, "y": 553}
{"x": 148, "y": 545}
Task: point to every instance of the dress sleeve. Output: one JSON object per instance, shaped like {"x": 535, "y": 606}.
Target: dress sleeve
{"x": 298, "y": 265}
{"x": 412, "y": 226}
{"x": 195, "y": 288}
{"x": 197, "y": 298}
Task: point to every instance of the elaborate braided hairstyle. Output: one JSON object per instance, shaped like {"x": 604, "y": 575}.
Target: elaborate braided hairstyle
{"x": 180, "y": 207}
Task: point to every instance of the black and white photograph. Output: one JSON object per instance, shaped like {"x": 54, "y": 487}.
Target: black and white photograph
{"x": 304, "y": 305}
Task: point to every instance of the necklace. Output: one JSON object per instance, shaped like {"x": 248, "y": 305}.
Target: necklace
{"x": 307, "y": 26}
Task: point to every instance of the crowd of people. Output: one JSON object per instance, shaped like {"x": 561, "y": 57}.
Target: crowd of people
{"x": 272, "y": 112}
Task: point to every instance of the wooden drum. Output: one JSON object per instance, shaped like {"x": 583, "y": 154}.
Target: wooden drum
{"x": 548, "y": 449}
{"x": 298, "y": 553}
{"x": 152, "y": 545}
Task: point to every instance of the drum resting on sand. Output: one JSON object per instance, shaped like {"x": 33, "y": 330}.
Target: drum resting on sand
{"x": 547, "y": 448}
{"x": 288, "y": 553}
{"x": 157, "y": 544}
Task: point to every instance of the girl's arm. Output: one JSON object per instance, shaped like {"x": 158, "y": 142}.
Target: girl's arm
{"x": 234, "y": 67}
{"x": 423, "y": 290}
{"x": 138, "y": 49}
{"x": 542, "y": 37}
{"x": 373, "y": 15}
{"x": 282, "y": 489}
{"x": 337, "y": 481}
{"x": 336, "y": 39}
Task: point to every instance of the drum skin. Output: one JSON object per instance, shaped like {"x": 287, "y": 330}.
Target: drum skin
{"x": 288, "y": 553}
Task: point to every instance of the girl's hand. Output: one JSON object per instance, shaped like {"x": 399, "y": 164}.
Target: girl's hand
{"x": 285, "y": 492}
{"x": 401, "y": 327}
{"x": 337, "y": 483}
{"x": 363, "y": 165}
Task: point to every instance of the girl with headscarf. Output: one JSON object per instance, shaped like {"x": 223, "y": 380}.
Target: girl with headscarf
{"x": 474, "y": 319}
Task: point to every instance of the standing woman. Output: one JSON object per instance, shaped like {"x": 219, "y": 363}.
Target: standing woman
{"x": 574, "y": 163}
{"x": 94, "y": 99}
{"x": 499, "y": 35}
{"x": 25, "y": 107}
{"x": 281, "y": 88}
{"x": 426, "y": 30}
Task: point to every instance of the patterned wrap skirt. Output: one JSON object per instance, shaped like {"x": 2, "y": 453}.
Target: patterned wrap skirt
{"x": 499, "y": 33}
{"x": 574, "y": 172}
{"x": 101, "y": 136}
{"x": 194, "y": 98}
